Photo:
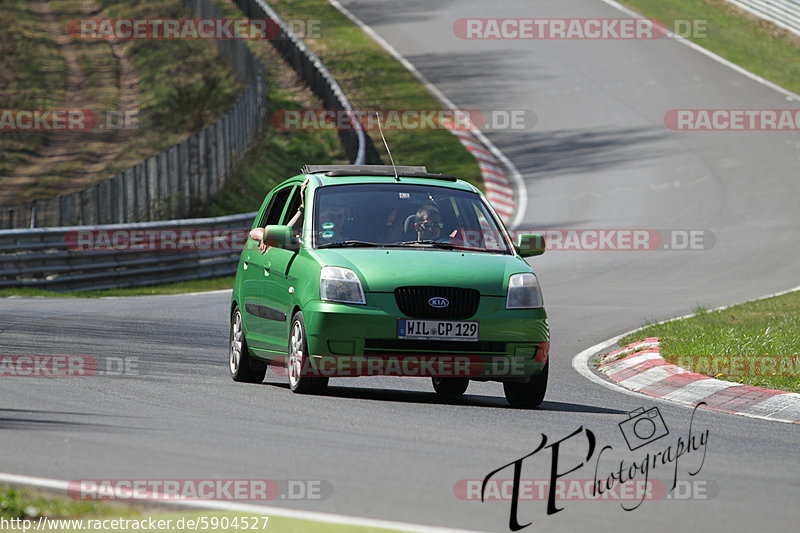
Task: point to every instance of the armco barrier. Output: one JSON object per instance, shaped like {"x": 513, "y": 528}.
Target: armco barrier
{"x": 783, "y": 13}
{"x": 307, "y": 65}
{"x": 47, "y": 258}
{"x": 169, "y": 184}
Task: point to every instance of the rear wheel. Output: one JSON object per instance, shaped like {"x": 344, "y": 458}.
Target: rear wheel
{"x": 530, "y": 394}
{"x": 243, "y": 367}
{"x": 298, "y": 361}
{"x": 450, "y": 386}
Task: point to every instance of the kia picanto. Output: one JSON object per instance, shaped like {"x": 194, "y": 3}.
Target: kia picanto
{"x": 376, "y": 270}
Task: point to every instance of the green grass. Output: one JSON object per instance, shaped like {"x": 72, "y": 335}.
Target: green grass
{"x": 279, "y": 524}
{"x": 373, "y": 79}
{"x": 744, "y": 39}
{"x": 198, "y": 285}
{"x": 762, "y": 336}
{"x": 353, "y": 58}
{"x": 27, "y": 503}
{"x": 183, "y": 84}
{"x": 275, "y": 155}
{"x": 30, "y": 504}
{"x": 31, "y": 77}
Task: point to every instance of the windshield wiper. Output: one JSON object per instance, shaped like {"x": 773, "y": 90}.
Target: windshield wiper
{"x": 433, "y": 244}
{"x": 445, "y": 246}
{"x": 348, "y": 244}
{"x": 410, "y": 243}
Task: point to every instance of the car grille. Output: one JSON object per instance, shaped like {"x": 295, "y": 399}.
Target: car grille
{"x": 417, "y": 347}
{"x": 413, "y": 302}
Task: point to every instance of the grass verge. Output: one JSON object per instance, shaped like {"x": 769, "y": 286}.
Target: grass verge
{"x": 373, "y": 79}
{"x": 755, "y": 343}
{"x": 29, "y": 504}
{"x": 26, "y": 509}
{"x": 275, "y": 155}
{"x": 197, "y": 285}
{"x": 753, "y": 43}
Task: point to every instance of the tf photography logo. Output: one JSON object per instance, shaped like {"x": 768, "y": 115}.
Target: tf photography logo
{"x": 619, "y": 478}
{"x": 643, "y": 427}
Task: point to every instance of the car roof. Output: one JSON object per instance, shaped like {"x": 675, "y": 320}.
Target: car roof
{"x": 326, "y": 175}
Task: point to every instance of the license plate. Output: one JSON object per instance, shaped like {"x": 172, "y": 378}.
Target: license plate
{"x": 444, "y": 330}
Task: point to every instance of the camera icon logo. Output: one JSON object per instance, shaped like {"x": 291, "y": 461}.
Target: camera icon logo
{"x": 643, "y": 427}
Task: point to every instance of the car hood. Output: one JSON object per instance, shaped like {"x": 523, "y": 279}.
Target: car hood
{"x": 383, "y": 270}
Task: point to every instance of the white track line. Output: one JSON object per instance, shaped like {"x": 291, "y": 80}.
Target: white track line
{"x": 516, "y": 177}
{"x": 330, "y": 518}
{"x": 197, "y": 293}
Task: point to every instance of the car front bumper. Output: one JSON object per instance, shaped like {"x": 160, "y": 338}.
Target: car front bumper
{"x": 358, "y": 340}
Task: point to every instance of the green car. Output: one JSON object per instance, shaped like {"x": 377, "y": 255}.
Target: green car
{"x": 376, "y": 270}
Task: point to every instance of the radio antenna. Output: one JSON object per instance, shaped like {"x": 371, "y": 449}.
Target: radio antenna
{"x": 380, "y": 129}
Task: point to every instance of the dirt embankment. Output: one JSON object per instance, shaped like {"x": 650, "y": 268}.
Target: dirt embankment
{"x": 99, "y": 76}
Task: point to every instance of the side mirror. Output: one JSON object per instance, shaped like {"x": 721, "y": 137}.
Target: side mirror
{"x": 279, "y": 237}
{"x": 529, "y": 245}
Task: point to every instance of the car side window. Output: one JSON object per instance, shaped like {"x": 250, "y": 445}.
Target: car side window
{"x": 294, "y": 206}
{"x": 276, "y": 207}
{"x": 491, "y": 239}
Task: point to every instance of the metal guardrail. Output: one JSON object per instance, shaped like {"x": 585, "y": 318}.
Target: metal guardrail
{"x": 306, "y": 64}
{"x": 783, "y": 13}
{"x": 45, "y": 257}
{"x": 54, "y": 258}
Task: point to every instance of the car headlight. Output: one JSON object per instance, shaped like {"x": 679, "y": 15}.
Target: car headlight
{"x": 524, "y": 292}
{"x": 337, "y": 284}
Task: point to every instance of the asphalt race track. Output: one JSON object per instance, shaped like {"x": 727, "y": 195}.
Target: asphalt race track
{"x": 598, "y": 157}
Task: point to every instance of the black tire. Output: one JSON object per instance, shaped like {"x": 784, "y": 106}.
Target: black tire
{"x": 528, "y": 395}
{"x": 450, "y": 386}
{"x": 297, "y": 360}
{"x": 244, "y": 368}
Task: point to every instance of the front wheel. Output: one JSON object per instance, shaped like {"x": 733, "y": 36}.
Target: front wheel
{"x": 450, "y": 386}
{"x": 243, "y": 367}
{"x": 530, "y": 394}
{"x": 298, "y": 361}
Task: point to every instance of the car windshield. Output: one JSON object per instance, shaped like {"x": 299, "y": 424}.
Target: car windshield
{"x": 400, "y": 215}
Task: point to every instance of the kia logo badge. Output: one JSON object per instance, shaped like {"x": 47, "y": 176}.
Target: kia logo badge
{"x": 438, "y": 302}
